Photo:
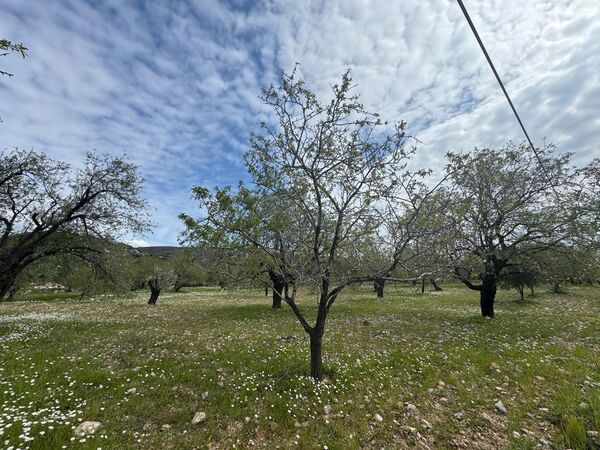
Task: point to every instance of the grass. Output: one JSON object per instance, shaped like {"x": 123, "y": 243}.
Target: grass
{"x": 427, "y": 364}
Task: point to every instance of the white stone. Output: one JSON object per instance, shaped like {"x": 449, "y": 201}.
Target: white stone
{"x": 500, "y": 408}
{"x": 87, "y": 428}
{"x": 327, "y": 409}
{"x": 199, "y": 417}
{"x": 378, "y": 417}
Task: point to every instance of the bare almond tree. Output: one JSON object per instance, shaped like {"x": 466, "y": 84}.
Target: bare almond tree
{"x": 334, "y": 172}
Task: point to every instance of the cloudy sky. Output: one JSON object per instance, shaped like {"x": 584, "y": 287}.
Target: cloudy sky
{"x": 175, "y": 84}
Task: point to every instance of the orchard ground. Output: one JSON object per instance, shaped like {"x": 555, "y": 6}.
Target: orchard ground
{"x": 410, "y": 371}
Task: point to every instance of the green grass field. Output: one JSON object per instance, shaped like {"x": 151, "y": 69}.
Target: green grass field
{"x": 412, "y": 371}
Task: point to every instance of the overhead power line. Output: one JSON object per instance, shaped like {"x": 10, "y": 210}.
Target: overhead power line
{"x": 512, "y": 106}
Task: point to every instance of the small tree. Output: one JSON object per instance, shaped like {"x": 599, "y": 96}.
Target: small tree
{"x": 48, "y": 209}
{"x": 335, "y": 170}
{"x": 185, "y": 270}
{"x": 159, "y": 280}
{"x": 519, "y": 277}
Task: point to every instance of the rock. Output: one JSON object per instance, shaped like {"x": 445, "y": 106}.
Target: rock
{"x": 441, "y": 384}
{"x": 378, "y": 418}
{"x": 327, "y": 409}
{"x": 409, "y": 430}
{"x": 411, "y": 407}
{"x": 494, "y": 366}
{"x": 486, "y": 416}
{"x": 426, "y": 424}
{"x": 583, "y": 405}
{"x": 247, "y": 420}
{"x": 500, "y": 408}
{"x": 165, "y": 427}
{"x": 130, "y": 391}
{"x": 545, "y": 443}
{"x": 516, "y": 434}
{"x": 459, "y": 415}
{"x": 544, "y": 410}
{"x": 204, "y": 395}
{"x": 87, "y": 428}
{"x": 593, "y": 433}
{"x": 199, "y": 417}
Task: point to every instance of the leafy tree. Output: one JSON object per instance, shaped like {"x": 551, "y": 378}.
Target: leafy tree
{"x": 587, "y": 201}
{"x": 521, "y": 275}
{"x": 507, "y": 206}
{"x": 185, "y": 271}
{"x": 47, "y": 209}
{"x": 335, "y": 171}
{"x": 563, "y": 265}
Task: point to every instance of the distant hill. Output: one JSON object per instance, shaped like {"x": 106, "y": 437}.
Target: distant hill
{"x": 159, "y": 252}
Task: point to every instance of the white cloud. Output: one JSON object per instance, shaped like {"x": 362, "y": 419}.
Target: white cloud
{"x": 176, "y": 84}
{"x": 138, "y": 243}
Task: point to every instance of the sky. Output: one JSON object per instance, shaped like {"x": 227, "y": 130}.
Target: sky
{"x": 175, "y": 84}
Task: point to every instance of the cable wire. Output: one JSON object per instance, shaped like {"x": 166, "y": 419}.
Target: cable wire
{"x": 512, "y": 106}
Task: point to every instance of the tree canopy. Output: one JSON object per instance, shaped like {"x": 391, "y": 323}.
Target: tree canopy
{"x": 325, "y": 178}
{"x": 47, "y": 208}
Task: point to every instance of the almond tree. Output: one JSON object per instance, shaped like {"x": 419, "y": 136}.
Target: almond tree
{"x": 47, "y": 208}
{"x": 333, "y": 169}
{"x": 159, "y": 280}
{"x": 507, "y": 206}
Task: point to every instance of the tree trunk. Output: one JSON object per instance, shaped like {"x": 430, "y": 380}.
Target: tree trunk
{"x": 266, "y": 291}
{"x": 379, "y": 285}
{"x": 487, "y": 296}
{"x": 532, "y": 291}
{"x": 422, "y": 285}
{"x": 277, "y": 290}
{"x": 316, "y": 361}
{"x": 520, "y": 289}
{"x": 153, "y": 296}
{"x": 279, "y": 284}
{"x": 435, "y": 285}
{"x": 7, "y": 280}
